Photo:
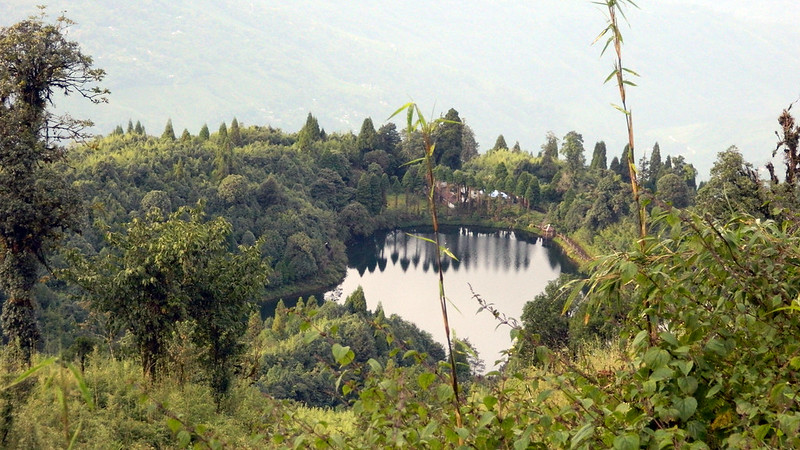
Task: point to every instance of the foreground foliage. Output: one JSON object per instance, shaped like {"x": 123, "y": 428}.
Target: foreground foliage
{"x": 718, "y": 371}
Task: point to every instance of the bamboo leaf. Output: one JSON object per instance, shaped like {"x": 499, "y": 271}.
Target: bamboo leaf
{"x": 447, "y": 252}
{"x": 576, "y": 287}
{"x": 85, "y": 393}
{"x": 75, "y": 436}
{"x": 630, "y": 72}
{"x": 400, "y": 109}
{"x": 415, "y": 161}
{"x": 420, "y": 117}
{"x": 610, "y": 76}
{"x": 29, "y": 372}
{"x": 621, "y": 109}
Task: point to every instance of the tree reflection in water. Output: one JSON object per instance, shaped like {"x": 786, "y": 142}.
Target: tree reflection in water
{"x": 506, "y": 268}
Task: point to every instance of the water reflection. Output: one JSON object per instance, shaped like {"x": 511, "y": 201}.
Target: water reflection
{"x": 501, "y": 251}
{"x": 506, "y": 268}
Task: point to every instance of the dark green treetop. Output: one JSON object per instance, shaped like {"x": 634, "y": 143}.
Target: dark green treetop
{"x": 599, "y": 156}
{"x": 169, "y": 132}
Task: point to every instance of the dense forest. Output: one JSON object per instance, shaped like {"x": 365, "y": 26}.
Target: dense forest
{"x": 133, "y": 266}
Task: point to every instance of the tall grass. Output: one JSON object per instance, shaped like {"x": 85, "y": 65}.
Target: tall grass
{"x": 416, "y": 122}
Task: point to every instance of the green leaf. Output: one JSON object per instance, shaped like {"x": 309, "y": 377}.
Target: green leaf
{"x": 174, "y": 424}
{"x": 486, "y": 418}
{"x": 762, "y": 431}
{"x": 713, "y": 391}
{"x": 630, "y": 71}
{"x": 687, "y": 385}
{"x": 425, "y": 379}
{"x": 522, "y": 443}
{"x": 620, "y": 109}
{"x": 75, "y": 436}
{"x": 585, "y": 432}
{"x": 686, "y": 407}
{"x": 627, "y": 442}
{"x": 716, "y": 346}
{"x": 640, "y": 340}
{"x": 444, "y": 392}
{"x": 184, "y": 439}
{"x": 450, "y": 254}
{"x": 412, "y": 162}
{"x": 29, "y": 372}
{"x": 669, "y": 338}
{"x": 628, "y": 271}
{"x": 610, "y": 76}
{"x": 342, "y": 355}
{"x": 410, "y": 353}
{"x": 310, "y": 336}
{"x": 85, "y": 393}
{"x": 375, "y": 365}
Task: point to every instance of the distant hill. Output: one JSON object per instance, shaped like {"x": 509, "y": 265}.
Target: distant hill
{"x": 710, "y": 77}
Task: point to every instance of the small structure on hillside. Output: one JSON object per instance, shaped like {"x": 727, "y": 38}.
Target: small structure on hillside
{"x": 548, "y": 231}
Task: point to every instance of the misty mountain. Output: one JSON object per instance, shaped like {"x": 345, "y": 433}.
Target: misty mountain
{"x": 710, "y": 76}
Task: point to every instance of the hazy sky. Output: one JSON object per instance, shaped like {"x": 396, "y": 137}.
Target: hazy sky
{"x": 713, "y": 73}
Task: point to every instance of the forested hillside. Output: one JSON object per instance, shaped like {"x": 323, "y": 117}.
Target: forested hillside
{"x": 133, "y": 265}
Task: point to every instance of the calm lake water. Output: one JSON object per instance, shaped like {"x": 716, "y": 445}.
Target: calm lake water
{"x": 505, "y": 268}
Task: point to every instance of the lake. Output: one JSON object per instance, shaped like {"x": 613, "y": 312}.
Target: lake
{"x": 505, "y": 268}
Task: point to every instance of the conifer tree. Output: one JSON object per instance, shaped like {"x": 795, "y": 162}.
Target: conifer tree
{"x": 449, "y": 141}
{"x": 222, "y": 134}
{"x": 599, "y": 156}
{"x": 204, "y": 134}
{"x": 169, "y": 132}
{"x": 309, "y": 133}
{"x": 234, "y": 134}
{"x": 655, "y": 167}
{"x": 367, "y": 140}
{"x": 500, "y": 143}
{"x": 550, "y": 147}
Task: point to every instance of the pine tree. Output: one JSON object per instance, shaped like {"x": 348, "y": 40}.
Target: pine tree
{"x": 309, "y": 133}
{"x": 655, "y": 167}
{"x": 169, "y": 132}
{"x": 550, "y": 147}
{"x": 624, "y": 171}
{"x": 222, "y": 134}
{"x": 204, "y": 134}
{"x": 367, "y": 140}
{"x": 500, "y": 143}
{"x": 235, "y": 134}
{"x": 449, "y": 141}
{"x": 599, "y": 156}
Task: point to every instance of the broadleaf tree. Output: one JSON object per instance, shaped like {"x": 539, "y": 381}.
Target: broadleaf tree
{"x": 160, "y": 272}
{"x": 37, "y": 64}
